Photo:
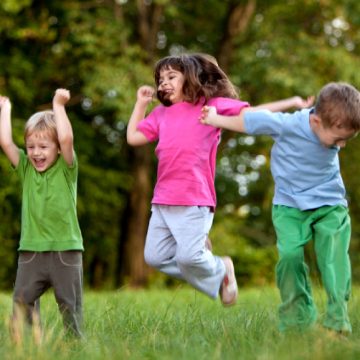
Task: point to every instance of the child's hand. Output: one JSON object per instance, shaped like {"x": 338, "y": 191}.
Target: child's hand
{"x": 145, "y": 94}
{"x": 4, "y": 102}
{"x": 301, "y": 103}
{"x": 61, "y": 97}
{"x": 208, "y": 113}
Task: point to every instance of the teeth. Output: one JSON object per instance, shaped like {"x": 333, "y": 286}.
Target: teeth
{"x": 39, "y": 161}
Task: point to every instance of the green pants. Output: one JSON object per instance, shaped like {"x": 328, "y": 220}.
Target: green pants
{"x": 329, "y": 227}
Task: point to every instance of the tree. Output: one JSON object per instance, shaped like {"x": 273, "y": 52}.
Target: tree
{"x": 102, "y": 50}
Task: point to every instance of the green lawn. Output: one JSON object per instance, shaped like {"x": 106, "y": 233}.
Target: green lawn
{"x": 179, "y": 324}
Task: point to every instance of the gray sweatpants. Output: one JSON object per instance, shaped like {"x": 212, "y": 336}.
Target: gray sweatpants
{"x": 175, "y": 245}
{"x": 61, "y": 270}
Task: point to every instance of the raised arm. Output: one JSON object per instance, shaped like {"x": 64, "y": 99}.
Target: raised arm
{"x": 135, "y": 137}
{"x": 6, "y": 139}
{"x": 63, "y": 125}
{"x": 209, "y": 115}
{"x": 296, "y": 102}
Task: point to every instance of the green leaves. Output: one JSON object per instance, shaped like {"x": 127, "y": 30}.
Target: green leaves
{"x": 104, "y": 50}
{"x": 14, "y": 6}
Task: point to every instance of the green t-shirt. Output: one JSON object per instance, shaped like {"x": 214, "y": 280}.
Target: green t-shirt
{"x": 48, "y": 216}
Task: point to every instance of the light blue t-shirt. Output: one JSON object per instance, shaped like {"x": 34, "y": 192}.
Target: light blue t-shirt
{"x": 306, "y": 173}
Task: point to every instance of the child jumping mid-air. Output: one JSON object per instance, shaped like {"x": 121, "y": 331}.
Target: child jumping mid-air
{"x": 51, "y": 245}
{"x": 309, "y": 201}
{"x": 184, "y": 196}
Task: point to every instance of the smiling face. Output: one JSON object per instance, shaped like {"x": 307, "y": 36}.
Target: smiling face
{"x": 42, "y": 150}
{"x": 170, "y": 87}
{"x": 334, "y": 135}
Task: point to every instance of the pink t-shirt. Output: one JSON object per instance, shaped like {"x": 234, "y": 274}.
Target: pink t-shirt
{"x": 186, "y": 151}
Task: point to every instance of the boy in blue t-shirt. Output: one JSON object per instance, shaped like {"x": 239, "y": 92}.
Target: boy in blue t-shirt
{"x": 51, "y": 245}
{"x": 309, "y": 200}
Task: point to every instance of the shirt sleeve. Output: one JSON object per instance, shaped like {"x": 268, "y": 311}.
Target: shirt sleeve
{"x": 149, "y": 126}
{"x": 228, "y": 106}
{"x": 264, "y": 122}
{"x": 71, "y": 171}
{"x": 21, "y": 166}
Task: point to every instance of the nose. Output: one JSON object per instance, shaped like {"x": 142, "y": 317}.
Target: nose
{"x": 162, "y": 84}
{"x": 36, "y": 150}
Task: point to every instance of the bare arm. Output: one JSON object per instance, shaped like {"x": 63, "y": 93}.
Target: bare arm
{"x": 209, "y": 115}
{"x": 63, "y": 125}
{"x": 6, "y": 139}
{"x": 282, "y": 105}
{"x": 135, "y": 137}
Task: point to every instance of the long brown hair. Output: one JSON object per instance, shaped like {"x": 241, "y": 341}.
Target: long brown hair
{"x": 203, "y": 78}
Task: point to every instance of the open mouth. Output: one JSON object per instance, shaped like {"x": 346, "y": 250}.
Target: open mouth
{"x": 39, "y": 162}
{"x": 168, "y": 92}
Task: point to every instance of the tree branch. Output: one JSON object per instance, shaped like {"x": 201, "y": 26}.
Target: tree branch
{"x": 236, "y": 23}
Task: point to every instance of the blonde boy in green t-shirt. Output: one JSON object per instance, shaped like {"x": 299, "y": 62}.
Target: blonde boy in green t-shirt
{"x": 51, "y": 245}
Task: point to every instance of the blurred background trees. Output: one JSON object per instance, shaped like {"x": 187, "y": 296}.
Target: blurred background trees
{"x": 102, "y": 50}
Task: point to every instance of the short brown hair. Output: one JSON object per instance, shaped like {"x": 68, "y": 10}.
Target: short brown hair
{"x": 42, "y": 121}
{"x": 338, "y": 104}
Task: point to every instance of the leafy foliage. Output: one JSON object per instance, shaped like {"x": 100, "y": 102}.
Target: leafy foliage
{"x": 103, "y": 50}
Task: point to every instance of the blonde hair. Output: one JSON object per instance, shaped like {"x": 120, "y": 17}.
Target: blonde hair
{"x": 43, "y": 121}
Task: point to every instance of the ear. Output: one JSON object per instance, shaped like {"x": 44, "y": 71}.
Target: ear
{"x": 315, "y": 120}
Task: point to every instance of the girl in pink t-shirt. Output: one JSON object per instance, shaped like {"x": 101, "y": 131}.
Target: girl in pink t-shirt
{"x": 184, "y": 196}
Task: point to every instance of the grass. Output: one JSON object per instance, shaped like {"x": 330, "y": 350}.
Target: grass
{"x": 178, "y": 324}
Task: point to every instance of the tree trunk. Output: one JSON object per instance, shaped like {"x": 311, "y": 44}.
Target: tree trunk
{"x": 131, "y": 265}
{"x": 236, "y": 22}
